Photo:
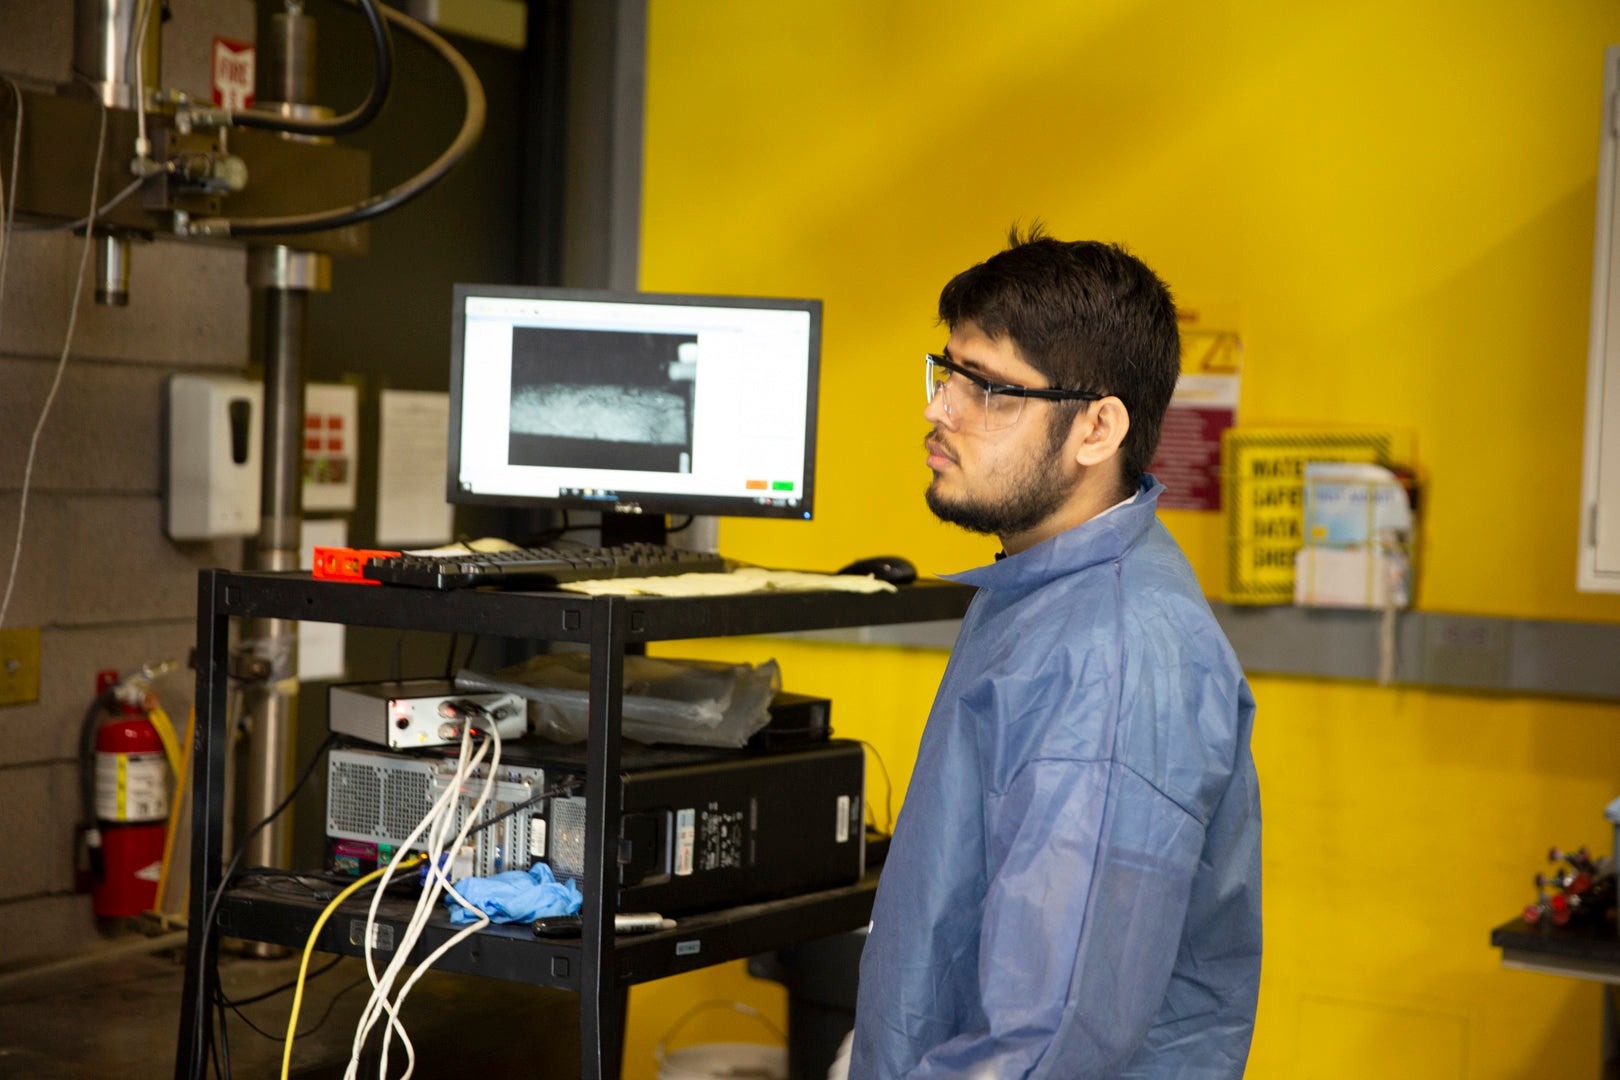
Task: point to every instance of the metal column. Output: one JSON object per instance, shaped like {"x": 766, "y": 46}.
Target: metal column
{"x": 268, "y": 654}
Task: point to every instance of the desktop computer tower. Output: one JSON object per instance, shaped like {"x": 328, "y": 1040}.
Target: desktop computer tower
{"x": 700, "y": 829}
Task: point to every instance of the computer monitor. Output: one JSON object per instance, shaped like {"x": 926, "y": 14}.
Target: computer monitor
{"x": 636, "y": 405}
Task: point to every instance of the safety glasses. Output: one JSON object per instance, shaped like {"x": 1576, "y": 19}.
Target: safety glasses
{"x": 973, "y": 399}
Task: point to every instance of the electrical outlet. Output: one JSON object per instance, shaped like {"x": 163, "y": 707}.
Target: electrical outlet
{"x": 19, "y": 665}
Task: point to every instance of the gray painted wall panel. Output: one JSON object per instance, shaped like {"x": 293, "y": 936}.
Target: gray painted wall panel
{"x": 1467, "y": 653}
{"x": 188, "y": 307}
{"x": 48, "y": 730}
{"x": 40, "y": 801}
{"x": 133, "y": 573}
{"x": 102, "y": 434}
{"x": 32, "y": 595}
{"x": 38, "y": 42}
{"x": 45, "y": 924}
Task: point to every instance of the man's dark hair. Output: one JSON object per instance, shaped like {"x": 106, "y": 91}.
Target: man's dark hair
{"x": 1088, "y": 316}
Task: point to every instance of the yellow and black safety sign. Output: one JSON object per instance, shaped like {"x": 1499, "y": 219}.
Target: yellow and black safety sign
{"x": 1263, "y": 495}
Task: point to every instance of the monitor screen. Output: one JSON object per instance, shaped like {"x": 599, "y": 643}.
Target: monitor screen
{"x": 635, "y": 403}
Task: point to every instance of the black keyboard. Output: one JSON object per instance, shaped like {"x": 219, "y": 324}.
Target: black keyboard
{"x": 539, "y": 568}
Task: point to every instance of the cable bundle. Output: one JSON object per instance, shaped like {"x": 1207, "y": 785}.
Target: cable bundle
{"x": 438, "y": 824}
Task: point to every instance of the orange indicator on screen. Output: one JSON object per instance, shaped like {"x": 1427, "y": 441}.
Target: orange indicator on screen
{"x": 756, "y": 485}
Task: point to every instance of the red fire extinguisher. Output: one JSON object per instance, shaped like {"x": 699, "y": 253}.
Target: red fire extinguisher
{"x": 131, "y": 805}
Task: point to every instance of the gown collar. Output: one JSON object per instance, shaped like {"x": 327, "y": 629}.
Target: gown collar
{"x": 1101, "y": 539}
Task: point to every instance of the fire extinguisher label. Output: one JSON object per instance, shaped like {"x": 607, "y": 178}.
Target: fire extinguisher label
{"x": 130, "y": 787}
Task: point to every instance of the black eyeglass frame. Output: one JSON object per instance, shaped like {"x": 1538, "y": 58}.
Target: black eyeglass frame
{"x": 1010, "y": 389}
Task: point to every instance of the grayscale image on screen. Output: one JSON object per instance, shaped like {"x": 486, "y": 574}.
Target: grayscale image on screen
{"x": 602, "y": 399}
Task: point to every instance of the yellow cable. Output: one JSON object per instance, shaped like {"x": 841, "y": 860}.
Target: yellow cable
{"x": 166, "y": 735}
{"x": 175, "y": 805}
{"x": 309, "y": 947}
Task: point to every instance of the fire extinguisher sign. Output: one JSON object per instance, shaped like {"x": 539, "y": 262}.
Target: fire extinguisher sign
{"x": 233, "y": 73}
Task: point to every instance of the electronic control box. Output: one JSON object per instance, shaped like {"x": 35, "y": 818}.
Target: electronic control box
{"x": 418, "y": 712}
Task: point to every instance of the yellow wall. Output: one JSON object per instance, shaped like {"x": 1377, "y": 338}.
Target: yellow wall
{"x": 1399, "y": 200}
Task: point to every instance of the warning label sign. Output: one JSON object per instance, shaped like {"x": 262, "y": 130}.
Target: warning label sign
{"x": 1263, "y": 486}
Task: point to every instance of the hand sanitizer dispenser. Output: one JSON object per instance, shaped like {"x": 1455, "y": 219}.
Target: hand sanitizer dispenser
{"x": 212, "y": 475}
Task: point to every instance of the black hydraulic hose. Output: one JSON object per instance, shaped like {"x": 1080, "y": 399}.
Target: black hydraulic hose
{"x": 472, "y": 126}
{"x": 382, "y": 47}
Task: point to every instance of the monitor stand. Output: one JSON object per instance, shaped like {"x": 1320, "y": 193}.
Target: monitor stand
{"x": 634, "y": 529}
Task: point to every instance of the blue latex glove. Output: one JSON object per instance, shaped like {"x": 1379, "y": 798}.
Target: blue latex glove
{"x": 515, "y": 896}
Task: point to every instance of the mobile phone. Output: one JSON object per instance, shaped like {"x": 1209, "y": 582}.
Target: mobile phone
{"x": 557, "y": 926}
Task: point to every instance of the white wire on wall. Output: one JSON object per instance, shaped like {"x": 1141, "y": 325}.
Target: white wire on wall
{"x": 8, "y": 213}
{"x": 67, "y": 343}
{"x": 137, "y": 44}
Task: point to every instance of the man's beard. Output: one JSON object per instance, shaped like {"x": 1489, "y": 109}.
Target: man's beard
{"x": 1029, "y": 496}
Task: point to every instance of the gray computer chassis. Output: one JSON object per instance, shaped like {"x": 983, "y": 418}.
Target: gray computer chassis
{"x": 699, "y": 829}
{"x": 375, "y": 799}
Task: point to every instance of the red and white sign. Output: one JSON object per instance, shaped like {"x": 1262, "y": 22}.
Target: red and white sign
{"x": 234, "y": 63}
{"x": 1188, "y": 461}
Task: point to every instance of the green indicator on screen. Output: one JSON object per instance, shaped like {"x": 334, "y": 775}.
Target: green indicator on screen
{"x": 781, "y": 485}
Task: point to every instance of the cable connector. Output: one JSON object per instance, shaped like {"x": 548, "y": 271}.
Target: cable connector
{"x": 449, "y": 869}
{"x": 206, "y": 228}
{"x": 142, "y": 164}
{"x": 481, "y": 720}
{"x": 191, "y": 116}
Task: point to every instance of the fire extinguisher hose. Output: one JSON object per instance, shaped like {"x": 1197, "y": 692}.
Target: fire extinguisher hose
{"x": 176, "y": 807}
{"x": 87, "y": 775}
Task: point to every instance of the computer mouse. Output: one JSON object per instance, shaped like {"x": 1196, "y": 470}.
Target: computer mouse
{"x": 894, "y": 569}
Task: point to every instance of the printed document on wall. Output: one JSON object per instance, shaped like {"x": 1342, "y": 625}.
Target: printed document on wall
{"x": 413, "y": 443}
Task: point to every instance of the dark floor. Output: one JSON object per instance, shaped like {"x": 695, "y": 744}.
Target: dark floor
{"x": 121, "y": 1019}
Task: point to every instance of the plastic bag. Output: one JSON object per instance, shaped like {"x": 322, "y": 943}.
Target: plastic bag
{"x": 691, "y": 702}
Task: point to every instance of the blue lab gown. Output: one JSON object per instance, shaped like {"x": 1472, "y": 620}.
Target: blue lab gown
{"x": 1073, "y": 888}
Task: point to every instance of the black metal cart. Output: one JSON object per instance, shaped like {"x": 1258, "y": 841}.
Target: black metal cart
{"x": 598, "y": 966}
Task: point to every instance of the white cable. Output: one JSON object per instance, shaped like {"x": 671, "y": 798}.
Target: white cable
{"x": 381, "y": 984}
{"x": 143, "y": 148}
{"x": 61, "y": 366}
{"x": 426, "y": 905}
{"x": 425, "y": 910}
{"x": 482, "y": 919}
{"x": 425, "y": 902}
{"x": 106, "y": 208}
{"x": 8, "y": 213}
{"x": 436, "y": 823}
{"x": 428, "y": 820}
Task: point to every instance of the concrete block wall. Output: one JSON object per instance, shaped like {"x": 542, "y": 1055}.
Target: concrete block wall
{"x": 96, "y": 573}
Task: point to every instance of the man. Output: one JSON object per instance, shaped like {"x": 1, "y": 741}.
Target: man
{"x": 1073, "y": 888}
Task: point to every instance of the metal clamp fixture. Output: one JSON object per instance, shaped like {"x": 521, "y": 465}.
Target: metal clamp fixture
{"x": 281, "y": 267}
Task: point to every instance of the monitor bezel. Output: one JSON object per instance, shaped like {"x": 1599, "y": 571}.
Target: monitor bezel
{"x": 633, "y": 502}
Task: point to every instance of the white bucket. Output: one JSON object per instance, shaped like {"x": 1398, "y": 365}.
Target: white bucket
{"x": 724, "y": 1061}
